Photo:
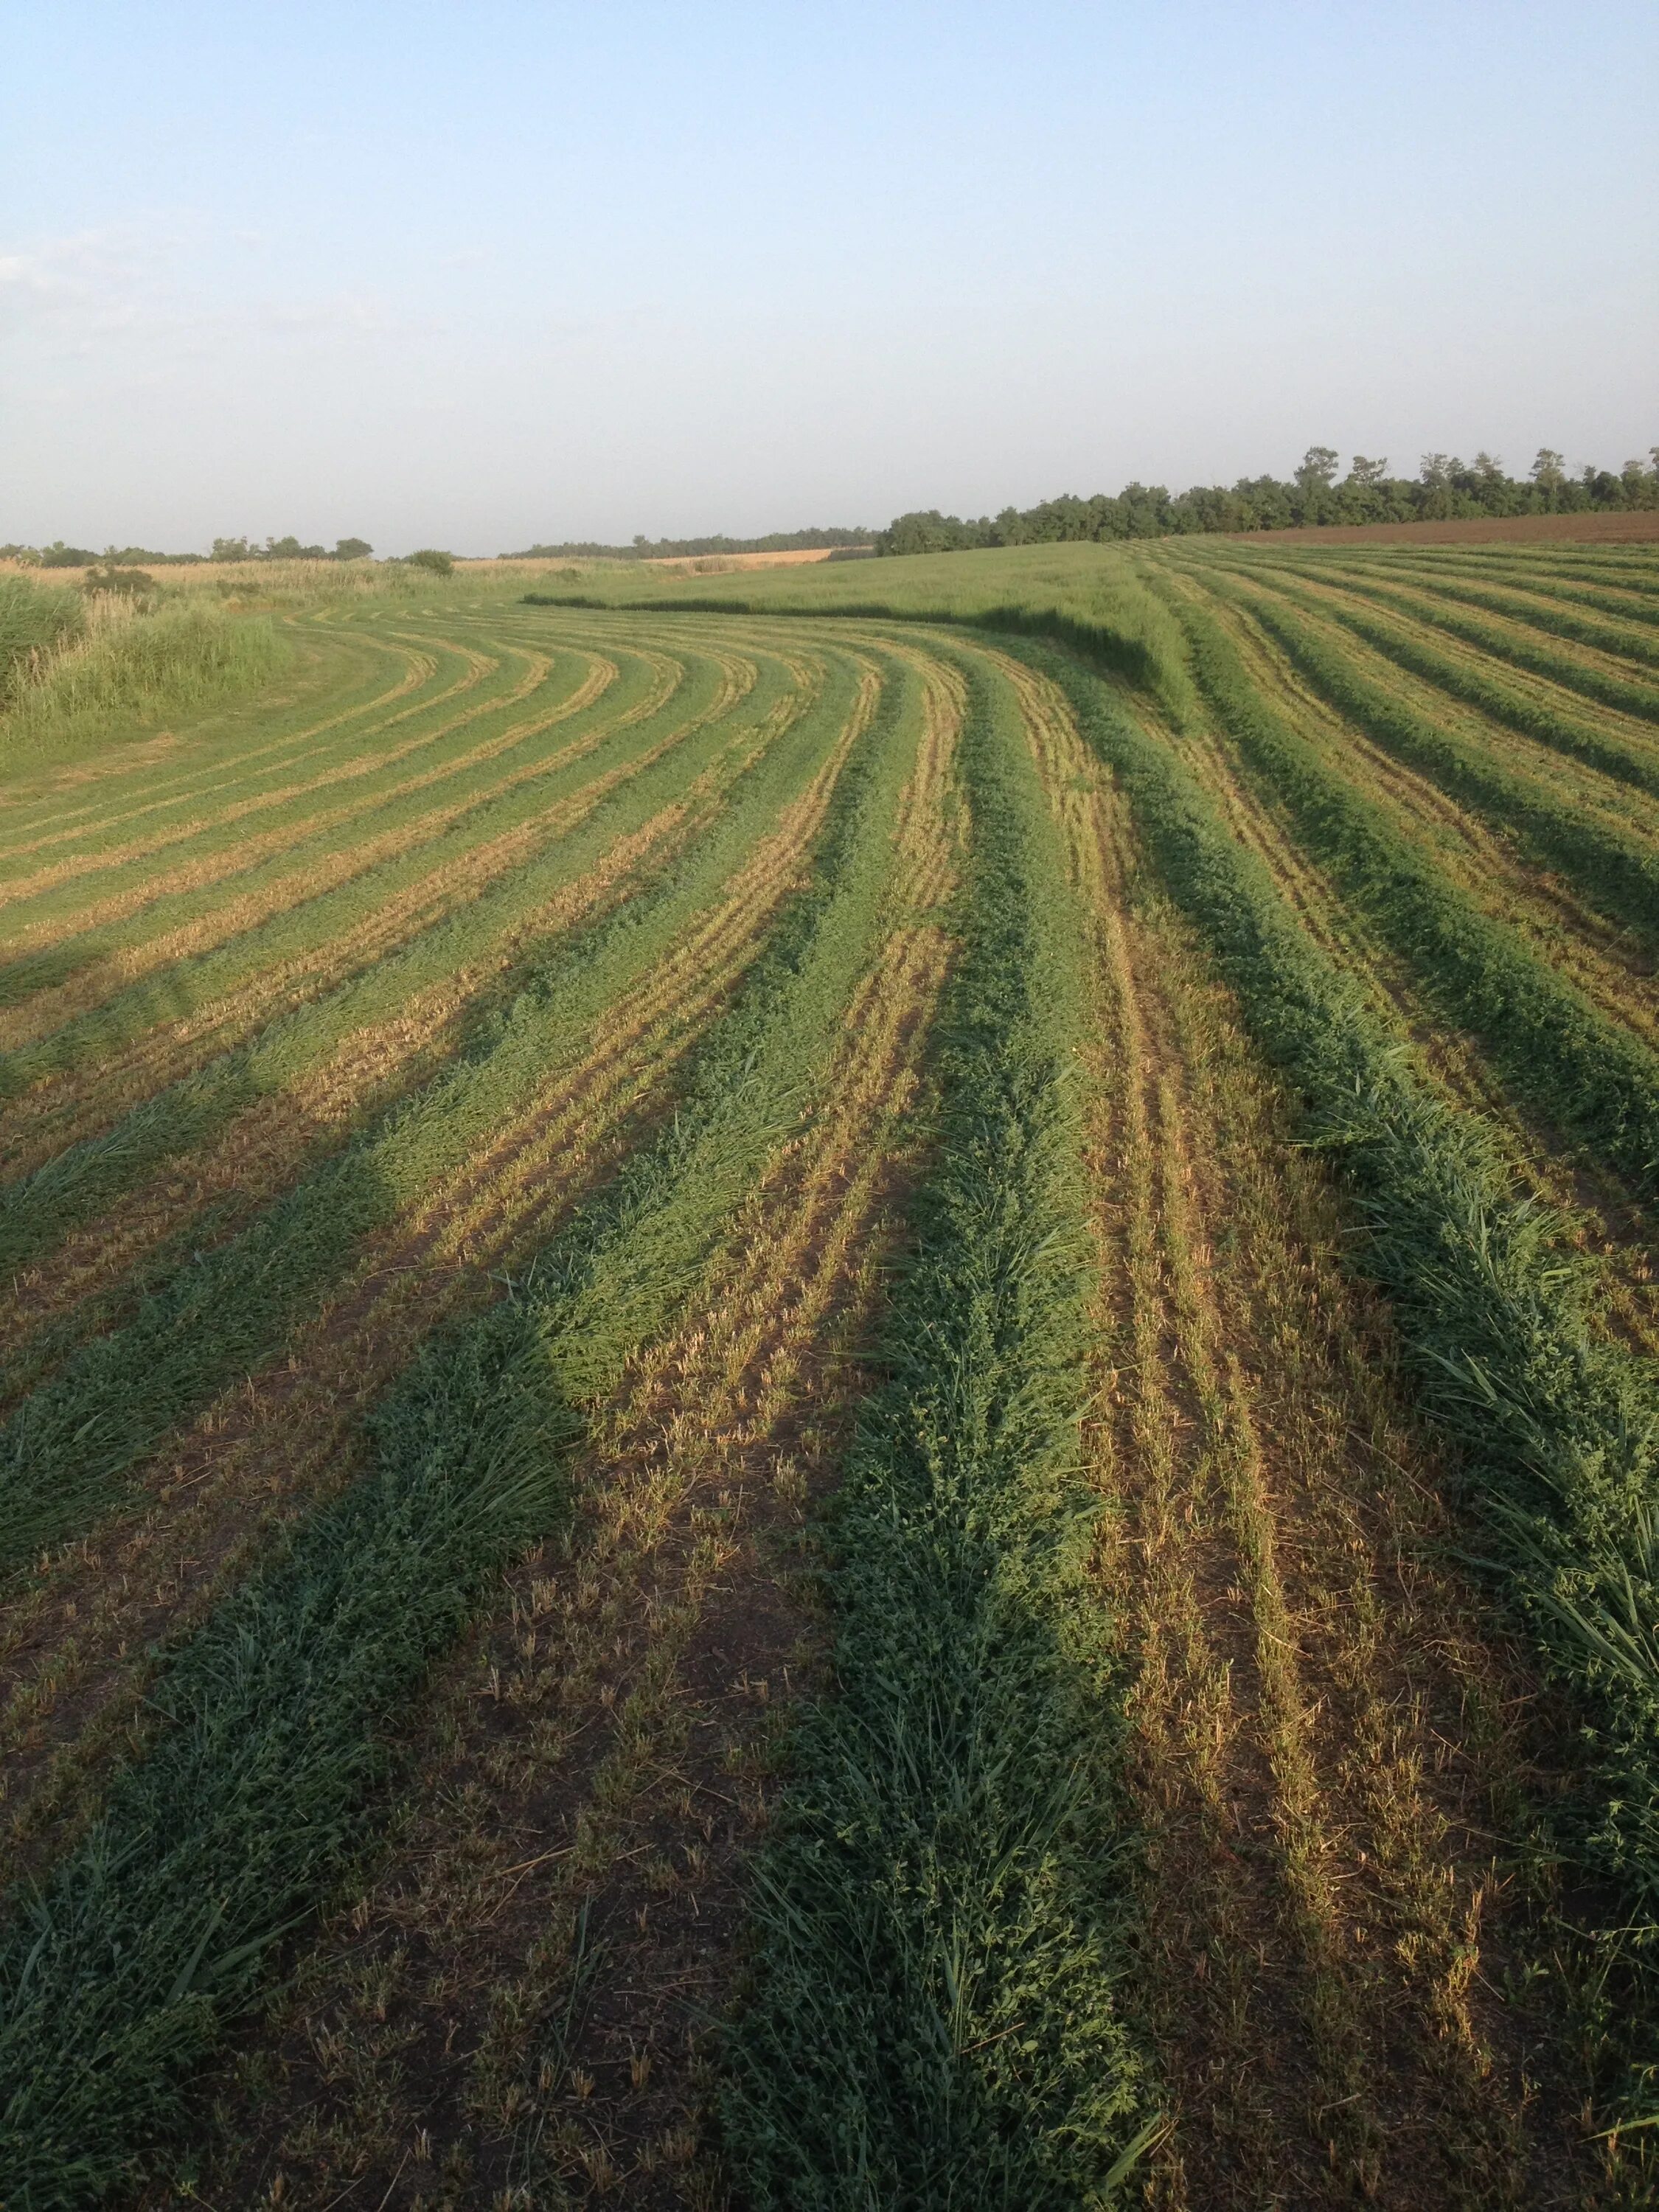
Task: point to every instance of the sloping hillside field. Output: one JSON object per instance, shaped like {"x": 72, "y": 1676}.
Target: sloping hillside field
{"x": 842, "y": 1395}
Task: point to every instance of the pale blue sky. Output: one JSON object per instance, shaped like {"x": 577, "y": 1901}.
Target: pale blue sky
{"x": 483, "y": 272}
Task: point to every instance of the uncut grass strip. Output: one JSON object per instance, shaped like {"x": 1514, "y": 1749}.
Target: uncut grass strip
{"x": 1614, "y": 870}
{"x": 1591, "y": 1078}
{"x": 124, "y": 1967}
{"x": 1557, "y": 1430}
{"x": 939, "y": 1918}
{"x": 503, "y": 924}
{"x": 339, "y": 916}
{"x": 652, "y": 1661}
{"x": 1307, "y": 1677}
{"x": 219, "y": 848}
{"x": 1395, "y": 626}
{"x": 63, "y": 1452}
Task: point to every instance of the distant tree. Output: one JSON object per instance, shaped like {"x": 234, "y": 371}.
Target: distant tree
{"x": 1318, "y": 467}
{"x": 1362, "y": 472}
{"x": 59, "y": 556}
{"x": 352, "y": 548}
{"x": 232, "y": 549}
{"x": 441, "y": 564}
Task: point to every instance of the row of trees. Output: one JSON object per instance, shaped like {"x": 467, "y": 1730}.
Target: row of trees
{"x": 59, "y": 556}
{"x": 675, "y": 549}
{"x": 1445, "y": 490}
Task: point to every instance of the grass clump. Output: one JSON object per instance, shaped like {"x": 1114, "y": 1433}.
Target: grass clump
{"x": 940, "y": 1915}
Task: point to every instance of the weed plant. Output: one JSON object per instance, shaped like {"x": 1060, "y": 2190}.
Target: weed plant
{"x": 130, "y": 672}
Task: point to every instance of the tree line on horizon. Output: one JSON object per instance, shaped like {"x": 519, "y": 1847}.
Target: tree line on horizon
{"x": 1445, "y": 490}
{"x": 679, "y": 548}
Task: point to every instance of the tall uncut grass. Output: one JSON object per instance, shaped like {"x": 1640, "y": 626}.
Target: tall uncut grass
{"x": 36, "y": 623}
{"x": 124, "y": 669}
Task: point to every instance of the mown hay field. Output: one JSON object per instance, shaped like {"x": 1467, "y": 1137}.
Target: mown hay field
{"x": 837, "y": 1388}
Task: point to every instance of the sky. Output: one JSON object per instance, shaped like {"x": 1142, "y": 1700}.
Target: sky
{"x": 493, "y": 272}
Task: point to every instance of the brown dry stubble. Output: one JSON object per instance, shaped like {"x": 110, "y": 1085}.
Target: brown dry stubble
{"x": 1322, "y": 1728}
{"x": 75, "y": 1647}
{"x": 598, "y": 1758}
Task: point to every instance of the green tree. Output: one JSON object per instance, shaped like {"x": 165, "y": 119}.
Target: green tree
{"x": 352, "y": 548}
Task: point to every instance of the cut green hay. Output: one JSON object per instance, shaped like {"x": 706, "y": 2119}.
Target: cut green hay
{"x": 1589, "y": 1077}
{"x": 1615, "y": 871}
{"x": 1547, "y": 604}
{"x": 1402, "y": 627}
{"x": 1422, "y": 604}
{"x": 939, "y": 1919}
{"x": 123, "y": 1969}
{"x": 510, "y": 924}
{"x": 130, "y": 670}
{"x": 1558, "y": 1428}
{"x": 64, "y": 1452}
